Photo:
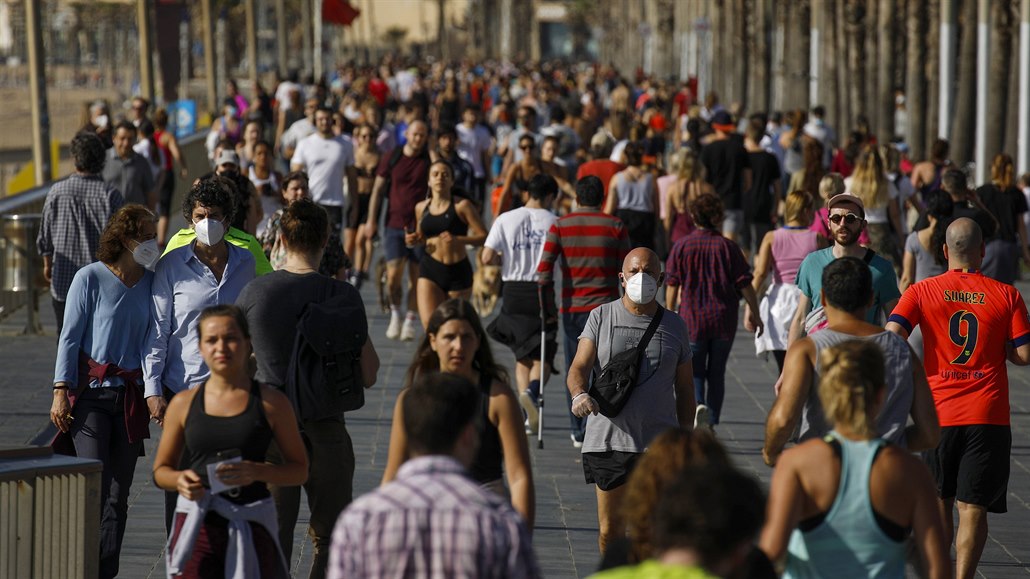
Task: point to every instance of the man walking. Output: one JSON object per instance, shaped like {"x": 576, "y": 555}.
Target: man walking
{"x": 403, "y": 178}
{"x": 273, "y": 304}
{"x": 971, "y": 324}
{"x": 847, "y": 219}
{"x": 75, "y": 213}
{"x": 127, "y": 171}
{"x": 729, "y": 171}
{"x": 664, "y": 393}
{"x": 433, "y": 520}
{"x": 516, "y": 243}
{"x": 847, "y": 290}
{"x": 328, "y": 160}
{"x": 591, "y": 245}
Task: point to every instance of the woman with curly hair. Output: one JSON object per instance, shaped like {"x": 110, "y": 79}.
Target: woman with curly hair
{"x": 456, "y": 343}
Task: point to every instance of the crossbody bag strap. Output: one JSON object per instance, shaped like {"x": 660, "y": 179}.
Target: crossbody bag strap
{"x": 646, "y": 339}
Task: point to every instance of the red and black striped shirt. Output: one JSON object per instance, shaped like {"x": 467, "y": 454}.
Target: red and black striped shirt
{"x": 592, "y": 246}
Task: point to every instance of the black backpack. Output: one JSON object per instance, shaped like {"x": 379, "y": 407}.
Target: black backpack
{"x": 324, "y": 376}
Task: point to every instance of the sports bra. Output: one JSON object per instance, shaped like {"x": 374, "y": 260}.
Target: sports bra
{"x": 364, "y": 173}
{"x": 893, "y": 530}
{"x": 434, "y": 225}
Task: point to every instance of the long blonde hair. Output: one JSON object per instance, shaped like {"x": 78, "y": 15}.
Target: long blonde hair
{"x": 690, "y": 170}
{"x": 869, "y": 181}
{"x": 851, "y": 377}
{"x": 1003, "y": 171}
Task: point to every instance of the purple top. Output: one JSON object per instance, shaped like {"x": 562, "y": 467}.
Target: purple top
{"x": 789, "y": 248}
{"x": 711, "y": 270}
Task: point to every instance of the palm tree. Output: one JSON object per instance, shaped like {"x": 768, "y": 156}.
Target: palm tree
{"x": 915, "y": 81}
{"x": 965, "y": 104}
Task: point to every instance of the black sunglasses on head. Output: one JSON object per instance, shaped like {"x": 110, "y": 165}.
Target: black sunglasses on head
{"x": 849, "y": 218}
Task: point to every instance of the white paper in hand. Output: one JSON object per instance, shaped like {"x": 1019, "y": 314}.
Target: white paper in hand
{"x": 217, "y": 486}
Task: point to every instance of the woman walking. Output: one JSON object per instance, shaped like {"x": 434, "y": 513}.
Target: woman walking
{"x": 334, "y": 262}
{"x": 443, "y": 225}
{"x": 633, "y": 197}
{"x": 882, "y": 213}
{"x": 212, "y": 453}
{"x": 690, "y": 184}
{"x": 456, "y": 343}
{"x": 98, "y": 405}
{"x": 366, "y": 159}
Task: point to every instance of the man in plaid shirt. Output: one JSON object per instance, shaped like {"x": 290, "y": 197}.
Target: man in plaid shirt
{"x": 433, "y": 520}
{"x": 75, "y": 213}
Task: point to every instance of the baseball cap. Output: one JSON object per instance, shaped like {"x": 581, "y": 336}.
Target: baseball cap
{"x": 844, "y": 198}
{"x": 227, "y": 157}
{"x": 721, "y": 121}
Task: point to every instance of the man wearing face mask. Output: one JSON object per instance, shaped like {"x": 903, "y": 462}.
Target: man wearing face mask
{"x": 203, "y": 273}
{"x": 663, "y": 397}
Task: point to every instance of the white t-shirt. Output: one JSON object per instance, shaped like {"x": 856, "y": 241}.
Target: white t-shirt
{"x": 325, "y": 161}
{"x": 518, "y": 235}
{"x": 876, "y": 215}
{"x": 471, "y": 145}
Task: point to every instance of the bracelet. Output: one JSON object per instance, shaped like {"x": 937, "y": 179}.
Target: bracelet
{"x": 576, "y": 397}
{"x": 60, "y": 386}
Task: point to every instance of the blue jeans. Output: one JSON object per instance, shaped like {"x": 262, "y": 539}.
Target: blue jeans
{"x": 710, "y": 357}
{"x": 572, "y": 327}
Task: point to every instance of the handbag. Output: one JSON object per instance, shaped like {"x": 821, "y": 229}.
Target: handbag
{"x": 613, "y": 387}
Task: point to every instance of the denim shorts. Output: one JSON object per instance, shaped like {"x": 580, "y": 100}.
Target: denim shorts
{"x": 394, "y": 247}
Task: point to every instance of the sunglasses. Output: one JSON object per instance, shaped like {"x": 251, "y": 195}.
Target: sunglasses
{"x": 849, "y": 219}
{"x": 526, "y": 147}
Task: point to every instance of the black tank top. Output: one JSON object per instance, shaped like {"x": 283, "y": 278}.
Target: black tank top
{"x": 206, "y": 436}
{"x": 434, "y": 225}
{"x": 487, "y": 465}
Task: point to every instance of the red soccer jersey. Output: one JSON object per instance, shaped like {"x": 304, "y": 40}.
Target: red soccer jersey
{"x": 967, "y": 320}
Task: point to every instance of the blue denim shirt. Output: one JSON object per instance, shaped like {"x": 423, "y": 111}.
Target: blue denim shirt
{"x": 183, "y": 286}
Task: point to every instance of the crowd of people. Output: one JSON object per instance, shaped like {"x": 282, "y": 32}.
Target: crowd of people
{"x": 882, "y": 288}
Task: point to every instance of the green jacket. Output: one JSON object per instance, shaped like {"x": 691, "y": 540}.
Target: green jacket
{"x": 234, "y": 236}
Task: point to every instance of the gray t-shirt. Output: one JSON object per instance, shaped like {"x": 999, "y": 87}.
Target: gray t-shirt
{"x": 651, "y": 408}
{"x": 272, "y": 304}
{"x": 890, "y": 424}
{"x": 926, "y": 265}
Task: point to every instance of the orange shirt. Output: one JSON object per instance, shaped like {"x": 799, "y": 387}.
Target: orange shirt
{"x": 967, "y": 321}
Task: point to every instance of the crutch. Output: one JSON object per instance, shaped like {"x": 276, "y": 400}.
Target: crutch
{"x": 543, "y": 369}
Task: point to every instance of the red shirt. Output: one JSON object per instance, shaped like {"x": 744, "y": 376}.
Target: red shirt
{"x": 967, "y": 321}
{"x": 603, "y": 169}
{"x": 592, "y": 246}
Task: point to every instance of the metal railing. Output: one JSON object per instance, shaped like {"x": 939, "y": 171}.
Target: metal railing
{"x": 31, "y": 202}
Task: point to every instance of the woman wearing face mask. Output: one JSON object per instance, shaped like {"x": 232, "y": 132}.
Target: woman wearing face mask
{"x": 98, "y": 389}
{"x": 707, "y": 276}
{"x": 334, "y": 262}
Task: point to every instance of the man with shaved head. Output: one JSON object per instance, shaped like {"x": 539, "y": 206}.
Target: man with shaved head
{"x": 970, "y": 324}
{"x": 403, "y": 178}
{"x": 664, "y": 394}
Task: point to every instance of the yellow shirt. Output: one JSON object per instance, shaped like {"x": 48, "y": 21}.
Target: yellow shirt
{"x": 234, "y": 236}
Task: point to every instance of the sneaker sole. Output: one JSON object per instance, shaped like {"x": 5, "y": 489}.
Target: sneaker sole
{"x": 532, "y": 413}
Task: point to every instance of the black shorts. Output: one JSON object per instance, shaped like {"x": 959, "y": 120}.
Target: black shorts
{"x": 971, "y": 464}
{"x": 363, "y": 204}
{"x": 335, "y": 213}
{"x": 609, "y": 470}
{"x": 164, "y": 197}
{"x": 455, "y": 277}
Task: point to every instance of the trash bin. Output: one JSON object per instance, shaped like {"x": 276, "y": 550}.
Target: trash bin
{"x": 22, "y": 265}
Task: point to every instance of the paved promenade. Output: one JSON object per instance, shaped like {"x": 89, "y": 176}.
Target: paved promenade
{"x": 566, "y": 528}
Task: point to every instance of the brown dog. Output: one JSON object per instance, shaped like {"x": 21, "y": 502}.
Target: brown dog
{"x": 383, "y": 291}
{"x": 486, "y": 289}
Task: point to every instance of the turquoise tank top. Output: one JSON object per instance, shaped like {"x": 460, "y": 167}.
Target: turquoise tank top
{"x": 849, "y": 542}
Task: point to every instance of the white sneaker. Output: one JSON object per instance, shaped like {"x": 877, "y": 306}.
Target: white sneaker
{"x": 532, "y": 413}
{"x": 702, "y": 417}
{"x": 408, "y": 331}
{"x": 576, "y": 443}
{"x": 393, "y": 331}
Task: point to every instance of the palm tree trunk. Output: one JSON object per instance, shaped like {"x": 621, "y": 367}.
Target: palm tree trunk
{"x": 965, "y": 103}
{"x": 871, "y": 61}
{"x": 998, "y": 81}
{"x": 758, "y": 33}
{"x": 854, "y": 15}
{"x": 933, "y": 59}
{"x": 1012, "y": 114}
{"x": 915, "y": 83}
{"x": 885, "y": 98}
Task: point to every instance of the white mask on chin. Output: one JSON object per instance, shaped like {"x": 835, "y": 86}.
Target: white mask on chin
{"x": 209, "y": 231}
{"x": 641, "y": 288}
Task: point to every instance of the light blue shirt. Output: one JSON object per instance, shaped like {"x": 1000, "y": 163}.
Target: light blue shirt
{"x": 106, "y": 320}
{"x": 183, "y": 287}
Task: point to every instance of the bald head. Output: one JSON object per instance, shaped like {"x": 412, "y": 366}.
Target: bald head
{"x": 964, "y": 242}
{"x": 642, "y": 259}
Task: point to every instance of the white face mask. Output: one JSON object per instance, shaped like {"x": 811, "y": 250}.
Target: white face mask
{"x": 641, "y": 288}
{"x": 101, "y": 121}
{"x": 209, "y": 231}
{"x": 147, "y": 254}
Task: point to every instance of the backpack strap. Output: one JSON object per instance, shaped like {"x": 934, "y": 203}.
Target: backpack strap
{"x": 869, "y": 255}
{"x": 646, "y": 339}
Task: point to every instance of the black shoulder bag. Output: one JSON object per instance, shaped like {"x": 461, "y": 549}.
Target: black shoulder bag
{"x": 613, "y": 387}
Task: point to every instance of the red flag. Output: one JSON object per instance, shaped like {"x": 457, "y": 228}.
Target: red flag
{"x": 339, "y": 12}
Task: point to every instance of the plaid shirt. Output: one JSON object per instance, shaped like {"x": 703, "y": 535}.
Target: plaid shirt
{"x": 432, "y": 521}
{"x": 75, "y": 213}
{"x": 710, "y": 269}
